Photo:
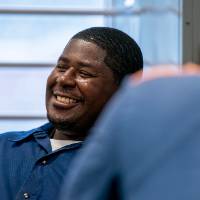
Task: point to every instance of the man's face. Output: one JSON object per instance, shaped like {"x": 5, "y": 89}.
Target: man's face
{"x": 79, "y": 86}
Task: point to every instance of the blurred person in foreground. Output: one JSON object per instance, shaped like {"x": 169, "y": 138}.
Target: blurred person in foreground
{"x": 88, "y": 72}
{"x": 146, "y": 144}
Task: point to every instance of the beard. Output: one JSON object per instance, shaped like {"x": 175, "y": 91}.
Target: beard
{"x": 61, "y": 124}
{"x": 71, "y": 128}
{"x": 76, "y": 128}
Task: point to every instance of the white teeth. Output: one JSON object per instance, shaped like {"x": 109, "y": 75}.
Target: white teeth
{"x": 65, "y": 100}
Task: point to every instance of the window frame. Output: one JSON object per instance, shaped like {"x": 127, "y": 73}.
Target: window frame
{"x": 191, "y": 31}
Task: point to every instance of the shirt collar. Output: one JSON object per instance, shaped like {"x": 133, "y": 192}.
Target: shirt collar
{"x": 38, "y": 132}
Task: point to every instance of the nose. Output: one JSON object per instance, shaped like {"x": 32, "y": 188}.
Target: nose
{"x": 67, "y": 79}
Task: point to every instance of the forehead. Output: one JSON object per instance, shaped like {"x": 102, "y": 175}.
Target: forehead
{"x": 78, "y": 49}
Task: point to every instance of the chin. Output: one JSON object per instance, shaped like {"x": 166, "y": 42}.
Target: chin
{"x": 59, "y": 123}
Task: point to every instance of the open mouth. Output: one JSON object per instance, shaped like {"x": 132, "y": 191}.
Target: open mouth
{"x": 66, "y": 100}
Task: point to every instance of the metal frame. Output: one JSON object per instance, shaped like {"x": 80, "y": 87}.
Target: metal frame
{"x": 191, "y": 31}
{"x": 187, "y": 30}
{"x": 24, "y": 117}
{"x": 60, "y": 11}
{"x": 26, "y": 64}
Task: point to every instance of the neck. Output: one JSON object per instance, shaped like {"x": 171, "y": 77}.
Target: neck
{"x": 68, "y": 135}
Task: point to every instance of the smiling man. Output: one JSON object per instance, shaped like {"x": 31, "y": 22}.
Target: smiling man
{"x": 78, "y": 88}
{"x": 88, "y": 72}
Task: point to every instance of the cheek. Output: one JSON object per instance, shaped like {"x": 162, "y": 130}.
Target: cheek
{"x": 51, "y": 81}
{"x": 89, "y": 89}
{"x": 96, "y": 90}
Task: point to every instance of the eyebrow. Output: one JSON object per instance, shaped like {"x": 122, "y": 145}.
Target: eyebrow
{"x": 61, "y": 58}
{"x": 80, "y": 63}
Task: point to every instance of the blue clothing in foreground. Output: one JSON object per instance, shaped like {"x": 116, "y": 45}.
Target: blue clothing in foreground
{"x": 28, "y": 167}
{"x": 145, "y": 146}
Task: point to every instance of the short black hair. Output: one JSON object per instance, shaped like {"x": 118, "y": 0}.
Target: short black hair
{"x": 123, "y": 53}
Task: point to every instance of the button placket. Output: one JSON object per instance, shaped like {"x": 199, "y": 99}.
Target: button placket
{"x": 26, "y": 195}
{"x": 44, "y": 162}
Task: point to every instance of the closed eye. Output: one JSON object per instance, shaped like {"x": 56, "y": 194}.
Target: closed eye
{"x": 85, "y": 74}
{"x": 61, "y": 68}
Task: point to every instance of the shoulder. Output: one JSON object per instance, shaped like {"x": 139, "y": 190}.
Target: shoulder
{"x": 19, "y": 135}
{"x": 11, "y": 134}
{"x": 7, "y": 141}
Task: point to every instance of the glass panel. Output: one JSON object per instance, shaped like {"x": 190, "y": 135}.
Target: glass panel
{"x": 23, "y": 91}
{"x": 86, "y": 4}
{"x": 39, "y": 38}
{"x": 157, "y": 30}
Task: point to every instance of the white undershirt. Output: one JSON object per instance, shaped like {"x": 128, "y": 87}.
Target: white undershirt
{"x": 57, "y": 144}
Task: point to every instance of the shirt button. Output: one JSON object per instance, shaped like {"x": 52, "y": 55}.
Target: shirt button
{"x": 44, "y": 162}
{"x": 26, "y": 195}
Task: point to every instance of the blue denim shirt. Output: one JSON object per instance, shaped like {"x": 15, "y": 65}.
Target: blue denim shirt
{"x": 28, "y": 167}
{"x": 145, "y": 145}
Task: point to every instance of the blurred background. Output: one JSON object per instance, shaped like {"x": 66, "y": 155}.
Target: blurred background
{"x": 33, "y": 34}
